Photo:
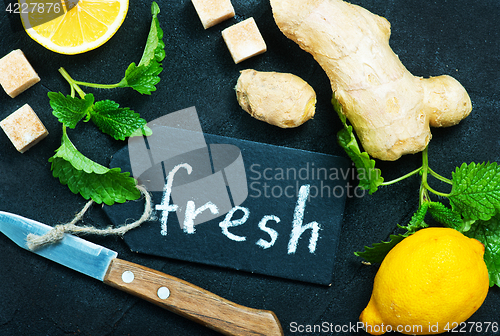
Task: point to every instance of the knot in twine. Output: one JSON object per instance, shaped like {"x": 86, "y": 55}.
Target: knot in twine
{"x": 57, "y": 233}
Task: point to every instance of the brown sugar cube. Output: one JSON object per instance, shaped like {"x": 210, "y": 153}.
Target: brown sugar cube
{"x": 24, "y": 128}
{"x": 212, "y": 12}
{"x": 16, "y": 73}
{"x": 244, "y": 40}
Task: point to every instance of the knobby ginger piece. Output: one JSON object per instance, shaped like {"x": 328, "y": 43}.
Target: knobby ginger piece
{"x": 212, "y": 12}
{"x": 389, "y": 108}
{"x": 16, "y": 73}
{"x": 244, "y": 40}
{"x": 446, "y": 102}
{"x": 24, "y": 128}
{"x": 280, "y": 99}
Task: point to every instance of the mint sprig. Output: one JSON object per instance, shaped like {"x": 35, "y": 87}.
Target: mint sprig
{"x": 143, "y": 77}
{"x": 474, "y": 200}
{"x": 474, "y": 211}
{"x": 91, "y": 179}
{"x": 81, "y": 174}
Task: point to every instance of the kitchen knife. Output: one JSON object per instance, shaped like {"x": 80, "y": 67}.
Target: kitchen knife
{"x": 166, "y": 291}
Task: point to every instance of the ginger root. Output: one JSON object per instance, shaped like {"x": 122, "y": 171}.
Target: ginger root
{"x": 280, "y": 99}
{"x": 389, "y": 108}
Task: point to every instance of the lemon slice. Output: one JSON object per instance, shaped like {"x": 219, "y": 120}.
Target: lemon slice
{"x": 72, "y": 26}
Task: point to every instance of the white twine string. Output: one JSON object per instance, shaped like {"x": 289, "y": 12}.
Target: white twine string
{"x": 57, "y": 233}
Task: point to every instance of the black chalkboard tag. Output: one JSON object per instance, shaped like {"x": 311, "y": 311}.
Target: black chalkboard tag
{"x": 284, "y": 221}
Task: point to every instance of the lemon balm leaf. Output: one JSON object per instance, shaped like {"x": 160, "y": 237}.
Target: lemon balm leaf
{"x": 417, "y": 221}
{"x": 144, "y": 76}
{"x": 488, "y": 233}
{"x": 378, "y": 251}
{"x": 155, "y": 47}
{"x": 107, "y": 115}
{"x": 118, "y": 122}
{"x": 90, "y": 179}
{"x": 476, "y": 190}
{"x": 69, "y": 110}
{"x": 81, "y": 174}
{"x": 370, "y": 178}
{"x": 91, "y": 185}
{"x": 447, "y": 216}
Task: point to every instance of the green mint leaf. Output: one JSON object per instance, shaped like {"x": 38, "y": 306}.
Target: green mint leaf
{"x": 378, "y": 251}
{"x": 144, "y": 76}
{"x": 118, "y": 122}
{"x": 488, "y": 233}
{"x": 476, "y": 191}
{"x": 155, "y": 47}
{"x": 417, "y": 221}
{"x": 370, "y": 178}
{"x": 90, "y": 179}
{"x": 446, "y": 216}
{"x": 69, "y": 110}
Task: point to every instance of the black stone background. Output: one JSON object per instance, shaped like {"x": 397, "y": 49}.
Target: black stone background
{"x": 39, "y": 297}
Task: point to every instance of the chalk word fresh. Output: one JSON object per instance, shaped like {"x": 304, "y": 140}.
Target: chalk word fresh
{"x": 191, "y": 211}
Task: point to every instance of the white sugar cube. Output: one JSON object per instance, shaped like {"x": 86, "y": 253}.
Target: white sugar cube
{"x": 16, "y": 73}
{"x": 24, "y": 128}
{"x": 244, "y": 40}
{"x": 212, "y": 12}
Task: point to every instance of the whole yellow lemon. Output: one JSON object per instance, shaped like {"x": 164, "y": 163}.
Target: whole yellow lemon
{"x": 427, "y": 284}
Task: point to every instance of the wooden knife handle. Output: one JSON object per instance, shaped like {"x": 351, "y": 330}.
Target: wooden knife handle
{"x": 191, "y": 301}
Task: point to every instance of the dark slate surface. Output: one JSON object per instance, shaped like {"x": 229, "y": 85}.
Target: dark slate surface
{"x": 37, "y": 297}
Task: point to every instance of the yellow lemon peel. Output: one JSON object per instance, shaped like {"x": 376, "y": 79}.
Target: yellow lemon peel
{"x": 427, "y": 283}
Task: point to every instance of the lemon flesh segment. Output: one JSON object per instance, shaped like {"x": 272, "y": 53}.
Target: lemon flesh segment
{"x": 72, "y": 27}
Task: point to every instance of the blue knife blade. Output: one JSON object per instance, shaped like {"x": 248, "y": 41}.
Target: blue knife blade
{"x": 73, "y": 252}
{"x": 164, "y": 290}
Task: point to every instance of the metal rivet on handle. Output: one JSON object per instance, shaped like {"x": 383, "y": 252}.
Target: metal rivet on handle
{"x": 127, "y": 277}
{"x": 163, "y": 293}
